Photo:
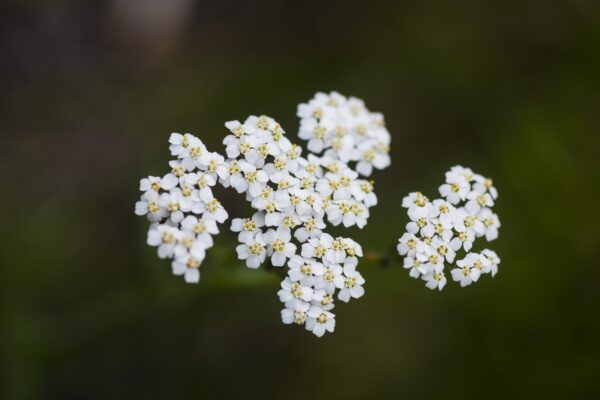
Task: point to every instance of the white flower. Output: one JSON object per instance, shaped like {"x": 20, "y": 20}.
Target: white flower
{"x": 202, "y": 229}
{"x": 280, "y": 248}
{"x": 164, "y": 237}
{"x": 304, "y": 270}
{"x": 322, "y": 299}
{"x": 204, "y": 182}
{"x": 154, "y": 183}
{"x": 251, "y": 179}
{"x": 248, "y": 226}
{"x": 238, "y": 129}
{"x": 294, "y": 291}
{"x": 176, "y": 204}
{"x": 215, "y": 211}
{"x": 348, "y": 213}
{"x": 326, "y": 282}
{"x": 413, "y": 265}
{"x": 295, "y": 312}
{"x": 188, "y": 265}
{"x": 320, "y": 321}
{"x": 369, "y": 158}
{"x": 455, "y": 189}
{"x": 440, "y": 228}
{"x": 490, "y": 222}
{"x": 253, "y": 251}
{"x": 409, "y": 244}
{"x": 150, "y": 205}
{"x": 216, "y": 166}
{"x": 469, "y": 269}
{"x": 435, "y": 280}
{"x": 189, "y": 149}
{"x": 310, "y": 229}
{"x": 485, "y": 184}
{"x": 441, "y": 209}
{"x": 316, "y": 132}
{"x": 493, "y": 259}
{"x": 350, "y": 284}
{"x": 477, "y": 201}
{"x": 431, "y": 260}
{"x": 363, "y": 191}
{"x": 463, "y": 240}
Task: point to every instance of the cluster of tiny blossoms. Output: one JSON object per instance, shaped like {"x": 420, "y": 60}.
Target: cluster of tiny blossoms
{"x": 346, "y": 130}
{"x": 442, "y": 227}
{"x": 181, "y": 206}
{"x": 294, "y": 197}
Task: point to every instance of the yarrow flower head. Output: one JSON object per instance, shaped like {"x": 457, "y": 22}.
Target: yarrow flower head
{"x": 345, "y": 130}
{"x": 294, "y": 198}
{"x": 439, "y": 229}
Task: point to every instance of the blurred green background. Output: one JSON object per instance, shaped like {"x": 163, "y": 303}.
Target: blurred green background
{"x": 90, "y": 92}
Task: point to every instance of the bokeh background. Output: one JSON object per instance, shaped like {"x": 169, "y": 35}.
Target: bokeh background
{"x": 90, "y": 91}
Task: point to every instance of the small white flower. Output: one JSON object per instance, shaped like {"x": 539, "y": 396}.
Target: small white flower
{"x": 320, "y": 321}
{"x": 477, "y": 201}
{"x": 409, "y": 244}
{"x": 435, "y": 280}
{"x": 215, "y": 211}
{"x": 493, "y": 259}
{"x": 310, "y": 229}
{"x": 203, "y": 181}
{"x": 154, "y": 183}
{"x": 295, "y": 312}
{"x": 469, "y": 269}
{"x": 323, "y": 300}
{"x": 202, "y": 229}
{"x": 455, "y": 189}
{"x": 253, "y": 251}
{"x": 350, "y": 284}
{"x": 490, "y": 222}
{"x": 280, "y": 248}
{"x": 305, "y": 270}
{"x": 151, "y": 206}
{"x": 431, "y": 260}
{"x": 483, "y": 184}
{"x": 326, "y": 282}
{"x": 164, "y": 237}
{"x": 176, "y": 204}
{"x": 188, "y": 265}
{"x": 363, "y": 191}
{"x": 238, "y": 129}
{"x": 251, "y": 179}
{"x": 247, "y": 227}
{"x": 291, "y": 290}
{"x": 413, "y": 265}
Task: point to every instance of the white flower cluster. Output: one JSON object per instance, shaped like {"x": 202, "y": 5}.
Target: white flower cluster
{"x": 442, "y": 227}
{"x": 293, "y": 198}
{"x": 346, "y": 130}
{"x": 181, "y": 206}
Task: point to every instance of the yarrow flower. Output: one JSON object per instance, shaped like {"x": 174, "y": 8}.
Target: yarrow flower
{"x": 294, "y": 198}
{"x": 181, "y": 206}
{"x": 345, "y": 130}
{"x": 440, "y": 228}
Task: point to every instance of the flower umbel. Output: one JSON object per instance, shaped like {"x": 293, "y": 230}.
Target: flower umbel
{"x": 294, "y": 199}
{"x": 442, "y": 227}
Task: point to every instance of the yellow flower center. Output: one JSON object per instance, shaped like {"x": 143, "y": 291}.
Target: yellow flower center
{"x": 256, "y": 249}
{"x": 200, "y": 227}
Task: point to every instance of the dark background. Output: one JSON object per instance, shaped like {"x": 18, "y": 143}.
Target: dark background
{"x": 90, "y": 91}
